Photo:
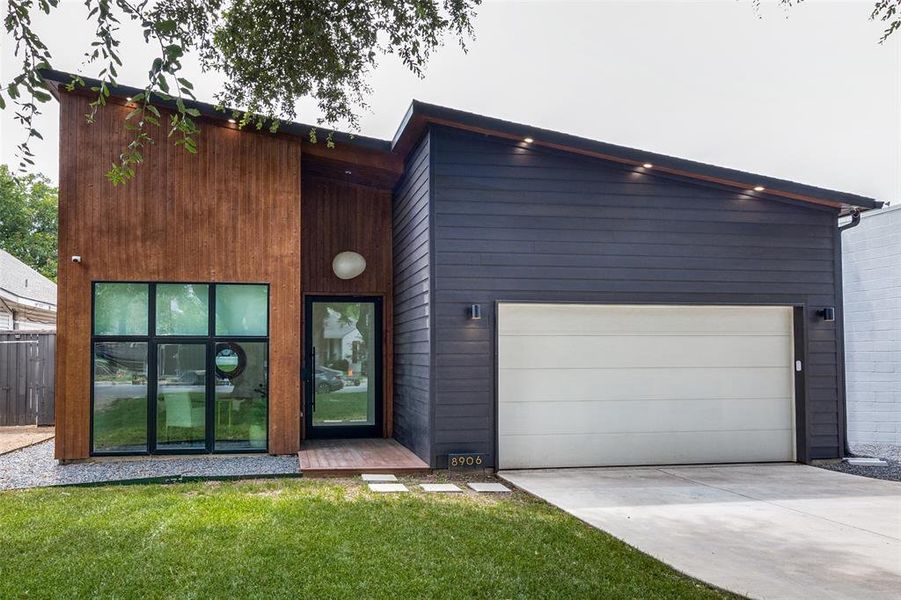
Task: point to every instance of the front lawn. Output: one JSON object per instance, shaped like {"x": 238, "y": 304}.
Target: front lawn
{"x": 341, "y": 406}
{"x": 311, "y": 539}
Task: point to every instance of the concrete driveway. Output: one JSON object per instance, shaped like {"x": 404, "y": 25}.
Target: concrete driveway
{"x": 764, "y": 531}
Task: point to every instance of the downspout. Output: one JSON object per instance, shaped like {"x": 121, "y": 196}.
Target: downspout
{"x": 840, "y": 330}
{"x": 855, "y": 221}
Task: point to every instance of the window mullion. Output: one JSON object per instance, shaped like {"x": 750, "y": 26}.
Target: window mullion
{"x": 152, "y": 370}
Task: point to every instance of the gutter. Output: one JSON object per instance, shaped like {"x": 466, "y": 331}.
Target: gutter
{"x": 840, "y": 332}
{"x": 855, "y": 221}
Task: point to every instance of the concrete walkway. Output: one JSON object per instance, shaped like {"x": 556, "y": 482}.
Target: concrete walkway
{"x": 764, "y": 531}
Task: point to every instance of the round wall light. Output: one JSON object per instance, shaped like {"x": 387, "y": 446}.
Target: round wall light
{"x": 348, "y": 265}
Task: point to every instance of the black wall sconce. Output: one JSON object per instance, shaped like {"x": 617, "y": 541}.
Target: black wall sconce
{"x": 827, "y": 314}
{"x": 474, "y": 312}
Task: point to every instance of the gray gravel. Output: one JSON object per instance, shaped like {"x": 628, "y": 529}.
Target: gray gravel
{"x": 884, "y": 451}
{"x": 35, "y": 467}
{"x": 891, "y": 453}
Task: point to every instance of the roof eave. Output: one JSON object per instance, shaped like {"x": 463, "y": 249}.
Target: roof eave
{"x": 421, "y": 115}
{"x": 53, "y": 79}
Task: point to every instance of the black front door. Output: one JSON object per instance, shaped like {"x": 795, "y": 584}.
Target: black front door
{"x": 343, "y": 374}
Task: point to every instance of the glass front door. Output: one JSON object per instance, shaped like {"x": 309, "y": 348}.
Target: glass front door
{"x": 343, "y": 375}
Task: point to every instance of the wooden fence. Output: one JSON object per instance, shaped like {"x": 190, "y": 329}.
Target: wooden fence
{"x": 26, "y": 377}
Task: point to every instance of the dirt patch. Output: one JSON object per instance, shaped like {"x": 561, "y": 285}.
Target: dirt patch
{"x": 14, "y": 438}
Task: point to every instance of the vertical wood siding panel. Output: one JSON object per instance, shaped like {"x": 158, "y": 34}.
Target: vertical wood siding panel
{"x": 339, "y": 216}
{"x": 231, "y": 213}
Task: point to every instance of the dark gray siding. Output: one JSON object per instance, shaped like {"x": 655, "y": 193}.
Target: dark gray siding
{"x": 412, "y": 314}
{"x": 513, "y": 222}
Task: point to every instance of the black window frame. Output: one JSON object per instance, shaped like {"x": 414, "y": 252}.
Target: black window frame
{"x": 153, "y": 340}
{"x": 377, "y": 429}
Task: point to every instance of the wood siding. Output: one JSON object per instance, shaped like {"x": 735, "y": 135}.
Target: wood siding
{"x": 412, "y": 339}
{"x": 339, "y": 216}
{"x": 229, "y": 214}
{"x": 518, "y": 223}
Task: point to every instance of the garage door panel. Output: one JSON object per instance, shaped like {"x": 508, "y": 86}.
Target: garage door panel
{"x": 526, "y": 452}
{"x": 540, "y": 385}
{"x": 575, "y": 319}
{"x": 642, "y": 416}
{"x": 594, "y": 385}
{"x": 641, "y": 352}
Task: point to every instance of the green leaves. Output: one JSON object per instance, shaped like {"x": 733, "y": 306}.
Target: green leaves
{"x": 272, "y": 53}
{"x": 28, "y": 220}
{"x": 887, "y": 11}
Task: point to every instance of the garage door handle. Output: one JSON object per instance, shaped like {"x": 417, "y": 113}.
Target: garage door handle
{"x": 798, "y": 367}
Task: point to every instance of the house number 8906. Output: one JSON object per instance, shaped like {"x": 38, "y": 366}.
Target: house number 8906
{"x": 463, "y": 461}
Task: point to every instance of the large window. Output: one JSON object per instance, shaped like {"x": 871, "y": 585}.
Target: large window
{"x": 180, "y": 367}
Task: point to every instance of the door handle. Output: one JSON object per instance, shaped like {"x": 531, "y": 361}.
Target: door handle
{"x": 308, "y": 369}
{"x": 313, "y": 378}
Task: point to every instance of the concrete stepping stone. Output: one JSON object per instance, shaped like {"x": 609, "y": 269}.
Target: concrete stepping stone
{"x": 378, "y": 477}
{"x": 439, "y": 487}
{"x": 388, "y": 487}
{"x": 866, "y": 462}
{"x": 489, "y": 487}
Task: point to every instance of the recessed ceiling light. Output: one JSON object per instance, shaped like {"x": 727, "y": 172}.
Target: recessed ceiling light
{"x": 231, "y": 120}
{"x": 528, "y": 140}
{"x": 647, "y": 165}
{"x": 759, "y": 188}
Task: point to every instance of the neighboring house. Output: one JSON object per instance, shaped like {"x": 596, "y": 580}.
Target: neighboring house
{"x": 27, "y": 298}
{"x": 342, "y": 341}
{"x": 542, "y": 299}
{"x": 871, "y": 267}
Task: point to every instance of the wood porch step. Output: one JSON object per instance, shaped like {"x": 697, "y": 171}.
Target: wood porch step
{"x": 346, "y": 457}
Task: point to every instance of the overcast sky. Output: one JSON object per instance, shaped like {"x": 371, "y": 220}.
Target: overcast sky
{"x": 805, "y": 94}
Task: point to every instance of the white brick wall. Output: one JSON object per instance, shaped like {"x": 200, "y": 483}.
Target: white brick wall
{"x": 871, "y": 265}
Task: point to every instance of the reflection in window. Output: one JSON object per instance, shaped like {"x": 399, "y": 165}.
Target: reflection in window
{"x": 343, "y": 336}
{"x": 182, "y": 309}
{"x": 242, "y": 397}
{"x": 120, "y": 309}
{"x": 120, "y": 397}
{"x": 210, "y": 387}
{"x": 181, "y": 396}
{"x": 242, "y": 309}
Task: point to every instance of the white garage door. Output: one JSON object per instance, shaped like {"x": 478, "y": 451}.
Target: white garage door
{"x": 593, "y": 385}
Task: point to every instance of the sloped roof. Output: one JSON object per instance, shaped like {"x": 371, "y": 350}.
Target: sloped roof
{"x": 421, "y": 115}
{"x": 19, "y": 280}
{"x": 388, "y": 156}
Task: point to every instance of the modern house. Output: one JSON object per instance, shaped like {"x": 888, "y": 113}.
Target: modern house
{"x": 27, "y": 298}
{"x": 536, "y": 298}
{"x": 872, "y": 291}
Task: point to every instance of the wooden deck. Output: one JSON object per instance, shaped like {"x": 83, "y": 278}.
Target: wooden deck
{"x": 356, "y": 456}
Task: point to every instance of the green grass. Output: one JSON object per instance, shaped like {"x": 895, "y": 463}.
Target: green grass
{"x": 344, "y": 406}
{"x": 124, "y": 423}
{"x": 311, "y": 539}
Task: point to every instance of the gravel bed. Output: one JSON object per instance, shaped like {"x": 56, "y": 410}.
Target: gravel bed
{"x": 35, "y": 467}
{"x": 883, "y": 451}
{"x": 890, "y": 453}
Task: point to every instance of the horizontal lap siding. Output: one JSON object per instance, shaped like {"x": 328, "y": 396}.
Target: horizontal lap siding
{"x": 412, "y": 339}
{"x": 523, "y": 223}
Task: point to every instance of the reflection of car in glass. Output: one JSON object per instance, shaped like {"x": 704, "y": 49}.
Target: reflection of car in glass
{"x": 328, "y": 380}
